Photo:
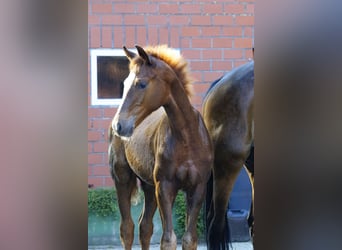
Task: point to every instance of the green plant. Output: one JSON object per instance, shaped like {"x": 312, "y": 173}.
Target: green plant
{"x": 180, "y": 217}
{"x": 102, "y": 202}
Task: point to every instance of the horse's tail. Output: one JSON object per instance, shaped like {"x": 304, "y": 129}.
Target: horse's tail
{"x": 217, "y": 243}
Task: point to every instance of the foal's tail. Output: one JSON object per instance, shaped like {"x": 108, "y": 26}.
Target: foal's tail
{"x": 222, "y": 240}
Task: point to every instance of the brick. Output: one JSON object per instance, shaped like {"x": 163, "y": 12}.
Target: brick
{"x": 179, "y": 20}
{"x": 112, "y": 20}
{"x": 201, "y": 42}
{"x": 200, "y": 20}
{"x": 130, "y": 36}
{"x": 141, "y": 35}
{"x": 92, "y": 19}
{"x": 232, "y": 31}
{"x": 134, "y": 19}
{"x": 213, "y": 8}
{"x": 107, "y": 40}
{"x": 156, "y": 20}
{"x": 95, "y": 159}
{"x": 101, "y": 123}
{"x": 147, "y": 8}
{"x": 212, "y": 76}
{"x": 243, "y": 43}
{"x": 234, "y": 9}
{"x": 90, "y": 147}
{"x": 152, "y": 35}
{"x": 163, "y": 35}
{"x": 224, "y": 65}
{"x": 222, "y": 20}
{"x": 101, "y": 171}
{"x": 238, "y": 63}
{"x": 197, "y": 76}
{"x": 101, "y": 8}
{"x": 250, "y": 9}
{"x": 95, "y": 37}
{"x": 211, "y": 31}
{"x": 96, "y": 181}
{"x": 118, "y": 37}
{"x": 212, "y": 54}
{"x": 190, "y": 8}
{"x": 200, "y": 65}
{"x": 168, "y": 8}
{"x": 109, "y": 112}
{"x": 124, "y": 8}
{"x": 95, "y": 135}
{"x": 196, "y": 100}
{"x": 100, "y": 147}
{"x": 190, "y": 31}
{"x": 174, "y": 37}
{"x": 191, "y": 53}
{"x": 222, "y": 43}
{"x": 186, "y": 42}
{"x": 233, "y": 54}
{"x": 248, "y": 32}
{"x": 244, "y": 20}
{"x": 95, "y": 112}
{"x": 201, "y": 88}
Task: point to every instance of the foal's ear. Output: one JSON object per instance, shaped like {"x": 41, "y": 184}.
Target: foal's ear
{"x": 142, "y": 53}
{"x": 130, "y": 55}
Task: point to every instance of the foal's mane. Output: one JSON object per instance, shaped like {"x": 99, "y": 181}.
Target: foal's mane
{"x": 177, "y": 63}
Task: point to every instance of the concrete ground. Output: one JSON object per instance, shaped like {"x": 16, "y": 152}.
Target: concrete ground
{"x": 235, "y": 245}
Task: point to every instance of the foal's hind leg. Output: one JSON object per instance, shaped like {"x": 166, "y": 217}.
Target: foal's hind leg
{"x": 194, "y": 201}
{"x": 146, "y": 217}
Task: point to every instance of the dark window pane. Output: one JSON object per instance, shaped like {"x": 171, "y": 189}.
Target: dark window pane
{"x": 111, "y": 73}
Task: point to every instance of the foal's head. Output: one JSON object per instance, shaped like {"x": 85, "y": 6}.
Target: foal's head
{"x": 152, "y": 72}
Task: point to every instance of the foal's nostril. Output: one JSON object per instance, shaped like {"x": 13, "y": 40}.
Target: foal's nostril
{"x": 118, "y": 128}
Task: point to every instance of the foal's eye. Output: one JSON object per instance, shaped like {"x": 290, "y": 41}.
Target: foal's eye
{"x": 141, "y": 85}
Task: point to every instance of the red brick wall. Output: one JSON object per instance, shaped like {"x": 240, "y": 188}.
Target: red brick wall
{"x": 214, "y": 36}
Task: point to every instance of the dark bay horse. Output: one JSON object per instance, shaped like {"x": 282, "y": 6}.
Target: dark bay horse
{"x": 157, "y": 136}
{"x": 228, "y": 115}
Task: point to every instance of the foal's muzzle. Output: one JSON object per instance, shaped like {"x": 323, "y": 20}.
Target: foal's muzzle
{"x": 123, "y": 128}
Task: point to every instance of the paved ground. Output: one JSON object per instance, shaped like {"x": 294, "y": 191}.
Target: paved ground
{"x": 236, "y": 246}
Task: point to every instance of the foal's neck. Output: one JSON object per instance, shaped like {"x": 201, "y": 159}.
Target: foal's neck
{"x": 181, "y": 114}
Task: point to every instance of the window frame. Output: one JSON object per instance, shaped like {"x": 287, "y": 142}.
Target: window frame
{"x": 94, "y": 54}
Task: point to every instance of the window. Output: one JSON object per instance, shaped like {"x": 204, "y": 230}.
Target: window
{"x": 109, "y": 68}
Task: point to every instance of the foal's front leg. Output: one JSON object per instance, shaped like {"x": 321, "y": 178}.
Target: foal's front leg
{"x": 125, "y": 184}
{"x": 194, "y": 201}
{"x": 146, "y": 217}
{"x": 166, "y": 193}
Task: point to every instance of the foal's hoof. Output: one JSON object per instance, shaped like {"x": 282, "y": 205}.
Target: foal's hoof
{"x": 188, "y": 243}
{"x": 169, "y": 244}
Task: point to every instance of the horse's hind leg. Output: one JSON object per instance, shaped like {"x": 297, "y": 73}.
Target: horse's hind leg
{"x": 225, "y": 173}
{"x": 194, "y": 201}
{"x": 146, "y": 217}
